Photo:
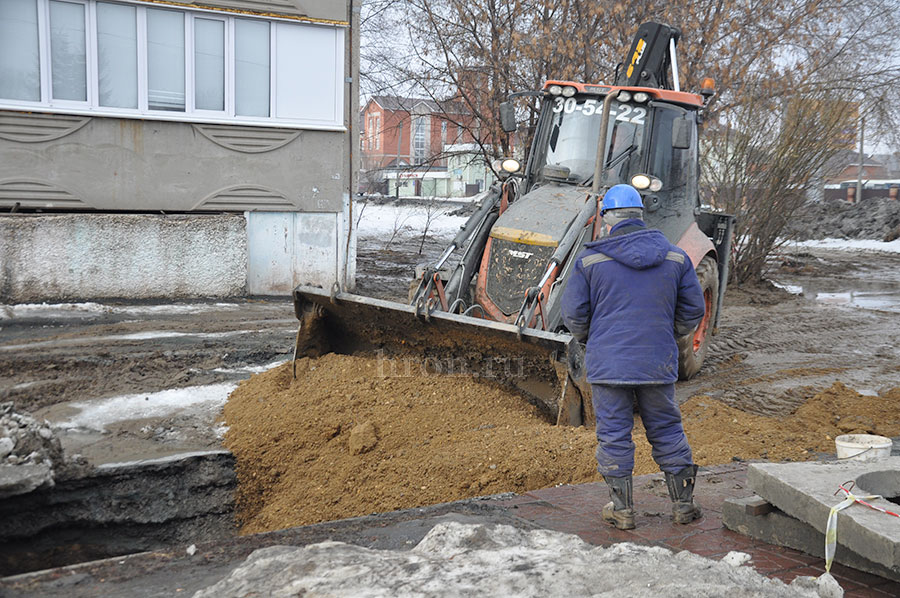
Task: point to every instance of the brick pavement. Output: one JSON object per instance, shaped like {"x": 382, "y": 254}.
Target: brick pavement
{"x": 576, "y": 509}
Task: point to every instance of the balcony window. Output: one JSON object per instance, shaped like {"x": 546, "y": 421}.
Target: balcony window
{"x": 133, "y": 60}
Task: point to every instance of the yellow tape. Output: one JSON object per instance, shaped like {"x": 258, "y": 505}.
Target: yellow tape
{"x": 831, "y": 526}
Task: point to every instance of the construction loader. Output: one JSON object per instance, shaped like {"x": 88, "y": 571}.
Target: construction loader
{"x": 496, "y": 312}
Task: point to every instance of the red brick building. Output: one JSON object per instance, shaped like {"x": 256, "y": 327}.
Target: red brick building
{"x": 399, "y": 133}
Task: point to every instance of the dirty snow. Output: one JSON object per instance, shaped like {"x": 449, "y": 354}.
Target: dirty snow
{"x": 91, "y": 309}
{"x": 253, "y": 369}
{"x": 378, "y": 220}
{"x": 96, "y": 415}
{"x": 793, "y": 289}
{"x": 456, "y": 559}
{"x": 850, "y": 245}
{"x": 136, "y": 336}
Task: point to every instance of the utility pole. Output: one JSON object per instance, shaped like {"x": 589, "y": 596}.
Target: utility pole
{"x": 862, "y": 132}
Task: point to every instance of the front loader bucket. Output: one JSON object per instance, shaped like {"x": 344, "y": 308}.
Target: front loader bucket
{"x": 533, "y": 362}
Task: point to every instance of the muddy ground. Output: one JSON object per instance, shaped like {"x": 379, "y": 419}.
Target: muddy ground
{"x": 775, "y": 349}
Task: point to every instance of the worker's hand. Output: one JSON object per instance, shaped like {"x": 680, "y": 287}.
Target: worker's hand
{"x": 682, "y": 329}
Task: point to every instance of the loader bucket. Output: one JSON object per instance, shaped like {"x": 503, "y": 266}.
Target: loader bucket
{"x": 533, "y": 362}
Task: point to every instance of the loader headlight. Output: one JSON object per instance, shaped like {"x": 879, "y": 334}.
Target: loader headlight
{"x": 624, "y": 96}
{"x": 644, "y": 181}
{"x": 640, "y": 181}
{"x": 511, "y": 165}
{"x": 568, "y": 91}
{"x": 555, "y": 90}
{"x": 641, "y": 97}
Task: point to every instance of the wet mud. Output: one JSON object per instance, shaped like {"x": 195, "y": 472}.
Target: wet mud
{"x": 774, "y": 352}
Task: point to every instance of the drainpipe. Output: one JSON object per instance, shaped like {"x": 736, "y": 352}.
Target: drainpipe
{"x": 353, "y": 174}
{"x": 859, "y": 175}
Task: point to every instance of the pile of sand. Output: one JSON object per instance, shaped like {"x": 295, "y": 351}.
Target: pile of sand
{"x": 342, "y": 441}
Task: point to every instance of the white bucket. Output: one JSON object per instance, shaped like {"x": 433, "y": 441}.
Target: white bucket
{"x": 862, "y": 447}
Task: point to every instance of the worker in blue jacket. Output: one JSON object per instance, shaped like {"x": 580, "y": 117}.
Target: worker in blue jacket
{"x": 630, "y": 295}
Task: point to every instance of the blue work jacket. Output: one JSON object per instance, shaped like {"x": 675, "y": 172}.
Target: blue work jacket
{"x": 627, "y": 294}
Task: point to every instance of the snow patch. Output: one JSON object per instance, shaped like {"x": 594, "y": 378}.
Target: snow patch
{"x": 253, "y": 369}
{"x": 793, "y": 289}
{"x": 135, "y": 336}
{"x": 378, "y": 220}
{"x": 96, "y": 415}
{"x": 851, "y": 245}
{"x": 90, "y": 309}
{"x": 456, "y": 559}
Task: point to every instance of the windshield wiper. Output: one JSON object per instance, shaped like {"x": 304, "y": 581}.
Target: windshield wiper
{"x": 613, "y": 162}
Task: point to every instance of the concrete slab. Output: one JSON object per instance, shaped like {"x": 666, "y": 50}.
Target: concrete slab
{"x": 776, "y": 527}
{"x": 22, "y": 479}
{"x": 806, "y": 491}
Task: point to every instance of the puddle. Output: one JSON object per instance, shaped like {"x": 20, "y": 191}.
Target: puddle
{"x": 872, "y": 295}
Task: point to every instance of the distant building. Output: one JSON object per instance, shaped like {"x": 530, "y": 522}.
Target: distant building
{"x": 844, "y": 166}
{"x": 405, "y": 143}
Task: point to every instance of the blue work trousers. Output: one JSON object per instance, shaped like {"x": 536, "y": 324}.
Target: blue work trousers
{"x": 614, "y": 409}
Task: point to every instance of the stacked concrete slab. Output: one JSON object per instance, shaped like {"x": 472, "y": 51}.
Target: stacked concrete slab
{"x": 794, "y": 500}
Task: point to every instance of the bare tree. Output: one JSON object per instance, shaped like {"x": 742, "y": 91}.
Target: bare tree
{"x": 762, "y": 170}
{"x": 433, "y": 208}
{"x": 771, "y": 60}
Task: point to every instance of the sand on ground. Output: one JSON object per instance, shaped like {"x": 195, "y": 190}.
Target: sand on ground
{"x": 344, "y": 440}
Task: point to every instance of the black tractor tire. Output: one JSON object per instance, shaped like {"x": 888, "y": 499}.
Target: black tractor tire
{"x": 692, "y": 347}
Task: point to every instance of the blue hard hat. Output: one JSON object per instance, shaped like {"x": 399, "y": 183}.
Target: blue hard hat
{"x": 621, "y": 196}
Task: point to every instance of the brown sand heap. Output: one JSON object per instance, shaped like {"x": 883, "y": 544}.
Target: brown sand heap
{"x": 342, "y": 440}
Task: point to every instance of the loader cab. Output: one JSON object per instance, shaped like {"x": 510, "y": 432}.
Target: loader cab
{"x": 650, "y": 132}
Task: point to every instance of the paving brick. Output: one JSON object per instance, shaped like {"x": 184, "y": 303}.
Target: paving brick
{"x": 856, "y": 575}
{"x": 576, "y": 509}
{"x": 870, "y": 593}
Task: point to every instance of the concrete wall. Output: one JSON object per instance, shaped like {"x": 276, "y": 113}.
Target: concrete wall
{"x": 77, "y": 256}
{"x": 287, "y": 249}
{"x": 62, "y": 257}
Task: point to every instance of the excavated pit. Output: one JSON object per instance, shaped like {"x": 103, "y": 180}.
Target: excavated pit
{"x": 119, "y": 509}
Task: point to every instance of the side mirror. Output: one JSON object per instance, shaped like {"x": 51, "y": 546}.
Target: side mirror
{"x": 681, "y": 133}
{"x": 508, "y": 117}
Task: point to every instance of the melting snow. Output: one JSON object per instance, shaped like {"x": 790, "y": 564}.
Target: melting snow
{"x": 135, "y": 336}
{"x": 375, "y": 220}
{"x": 96, "y": 415}
{"x": 253, "y": 369}
{"x": 851, "y": 245}
{"x": 90, "y": 309}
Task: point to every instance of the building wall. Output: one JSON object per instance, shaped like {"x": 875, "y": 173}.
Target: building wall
{"x": 83, "y": 162}
{"x": 77, "y": 256}
{"x": 285, "y": 190}
{"x": 395, "y": 132}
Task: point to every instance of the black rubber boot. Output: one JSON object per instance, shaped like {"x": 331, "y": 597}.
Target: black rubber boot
{"x": 681, "y": 491}
{"x": 619, "y": 512}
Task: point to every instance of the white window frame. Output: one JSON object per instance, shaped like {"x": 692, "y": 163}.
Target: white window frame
{"x": 191, "y": 114}
{"x": 377, "y": 131}
{"x": 228, "y": 40}
{"x": 90, "y": 75}
{"x": 420, "y": 154}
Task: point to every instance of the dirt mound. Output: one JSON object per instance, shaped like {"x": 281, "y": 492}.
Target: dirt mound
{"x": 874, "y": 218}
{"x": 342, "y": 440}
{"x": 719, "y": 433}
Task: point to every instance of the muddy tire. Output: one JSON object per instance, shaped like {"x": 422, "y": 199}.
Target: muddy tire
{"x": 692, "y": 348}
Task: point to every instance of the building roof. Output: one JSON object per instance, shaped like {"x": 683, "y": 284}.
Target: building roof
{"x": 400, "y": 103}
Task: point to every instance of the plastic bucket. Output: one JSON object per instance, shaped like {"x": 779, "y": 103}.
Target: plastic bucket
{"x": 862, "y": 447}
